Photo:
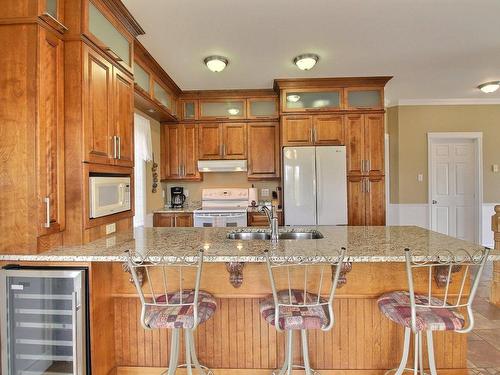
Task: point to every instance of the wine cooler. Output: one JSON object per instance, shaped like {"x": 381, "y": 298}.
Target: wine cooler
{"x": 43, "y": 314}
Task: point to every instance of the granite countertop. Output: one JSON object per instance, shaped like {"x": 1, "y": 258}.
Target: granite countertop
{"x": 364, "y": 244}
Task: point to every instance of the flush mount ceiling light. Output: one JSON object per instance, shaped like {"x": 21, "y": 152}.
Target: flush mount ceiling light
{"x": 233, "y": 111}
{"x": 293, "y": 98}
{"x": 216, "y": 63}
{"x": 489, "y": 87}
{"x": 306, "y": 61}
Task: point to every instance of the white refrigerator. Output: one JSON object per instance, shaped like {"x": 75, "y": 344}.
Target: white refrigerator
{"x": 315, "y": 185}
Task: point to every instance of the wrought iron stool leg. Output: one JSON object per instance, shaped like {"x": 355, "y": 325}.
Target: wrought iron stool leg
{"x": 305, "y": 352}
{"x": 430, "y": 351}
{"x": 187, "y": 345}
{"x": 420, "y": 354}
{"x": 174, "y": 352}
{"x": 289, "y": 355}
{"x": 406, "y": 350}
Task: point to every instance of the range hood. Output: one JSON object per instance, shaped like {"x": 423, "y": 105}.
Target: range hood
{"x": 222, "y": 165}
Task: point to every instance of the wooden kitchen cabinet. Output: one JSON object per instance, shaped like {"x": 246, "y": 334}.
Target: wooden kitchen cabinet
{"x": 32, "y": 193}
{"x": 222, "y": 141}
{"x": 123, "y": 108}
{"x": 366, "y": 200}
{"x": 181, "y": 219}
{"x": 259, "y": 219}
{"x": 108, "y": 112}
{"x": 50, "y": 136}
{"x": 179, "y": 152}
{"x": 328, "y": 130}
{"x": 312, "y": 130}
{"x": 297, "y": 130}
{"x": 262, "y": 108}
{"x": 365, "y": 141}
{"x": 189, "y": 109}
{"x": 263, "y": 150}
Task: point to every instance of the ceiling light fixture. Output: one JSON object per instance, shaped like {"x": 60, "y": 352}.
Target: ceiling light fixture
{"x": 233, "y": 111}
{"x": 489, "y": 87}
{"x": 306, "y": 61}
{"x": 293, "y": 98}
{"x": 216, "y": 63}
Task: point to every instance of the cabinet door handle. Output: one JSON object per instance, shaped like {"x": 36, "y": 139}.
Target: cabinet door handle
{"x": 368, "y": 165}
{"x": 47, "y": 212}
{"x": 115, "y": 155}
{"x": 368, "y": 185}
{"x": 314, "y": 135}
{"x": 119, "y": 147}
{"x": 224, "y": 149}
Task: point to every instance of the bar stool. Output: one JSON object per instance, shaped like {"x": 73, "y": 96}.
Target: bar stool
{"x": 426, "y": 312}
{"x": 176, "y": 308}
{"x": 296, "y": 308}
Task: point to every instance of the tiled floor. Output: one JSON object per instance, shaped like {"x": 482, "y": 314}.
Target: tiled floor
{"x": 484, "y": 341}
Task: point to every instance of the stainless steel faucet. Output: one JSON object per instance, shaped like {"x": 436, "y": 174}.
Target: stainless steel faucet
{"x": 272, "y": 217}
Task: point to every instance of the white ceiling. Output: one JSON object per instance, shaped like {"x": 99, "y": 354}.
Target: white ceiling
{"x": 435, "y": 49}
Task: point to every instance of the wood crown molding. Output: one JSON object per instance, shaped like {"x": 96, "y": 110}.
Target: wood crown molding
{"x": 121, "y": 12}
{"x": 236, "y": 93}
{"x": 291, "y": 83}
{"x": 142, "y": 54}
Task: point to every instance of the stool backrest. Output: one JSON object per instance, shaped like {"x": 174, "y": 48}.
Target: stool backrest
{"x": 448, "y": 265}
{"x": 163, "y": 275}
{"x": 308, "y": 275}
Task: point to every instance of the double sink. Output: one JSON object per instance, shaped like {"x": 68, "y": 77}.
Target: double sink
{"x": 248, "y": 235}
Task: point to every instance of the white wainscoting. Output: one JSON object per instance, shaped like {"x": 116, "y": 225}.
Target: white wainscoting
{"x": 417, "y": 214}
{"x": 148, "y": 220}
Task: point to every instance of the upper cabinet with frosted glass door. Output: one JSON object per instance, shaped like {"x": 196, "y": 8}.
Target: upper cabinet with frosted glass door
{"x": 262, "y": 108}
{"x": 364, "y": 98}
{"x": 103, "y": 29}
{"x": 305, "y": 100}
{"x": 220, "y": 109}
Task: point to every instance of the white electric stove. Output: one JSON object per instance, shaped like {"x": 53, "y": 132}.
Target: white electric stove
{"x": 222, "y": 208}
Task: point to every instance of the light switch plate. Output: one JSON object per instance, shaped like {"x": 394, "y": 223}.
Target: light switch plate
{"x": 186, "y": 192}
{"x": 110, "y": 228}
{"x": 264, "y": 192}
{"x": 495, "y": 168}
{"x": 420, "y": 177}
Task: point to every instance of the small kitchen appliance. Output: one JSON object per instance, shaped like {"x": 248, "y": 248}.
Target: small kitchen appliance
{"x": 177, "y": 197}
{"x": 222, "y": 208}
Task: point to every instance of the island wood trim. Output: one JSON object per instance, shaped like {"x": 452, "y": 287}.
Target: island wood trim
{"x": 495, "y": 283}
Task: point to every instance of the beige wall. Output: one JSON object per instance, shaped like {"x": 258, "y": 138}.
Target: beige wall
{"x": 153, "y": 200}
{"x": 408, "y": 127}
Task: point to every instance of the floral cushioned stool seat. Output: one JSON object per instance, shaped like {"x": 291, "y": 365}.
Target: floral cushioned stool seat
{"x": 396, "y": 307}
{"x": 296, "y": 317}
{"x": 180, "y": 316}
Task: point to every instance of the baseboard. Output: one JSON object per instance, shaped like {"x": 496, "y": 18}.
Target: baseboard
{"x": 158, "y": 371}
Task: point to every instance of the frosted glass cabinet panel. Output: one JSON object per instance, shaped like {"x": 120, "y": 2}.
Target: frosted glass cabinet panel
{"x": 161, "y": 95}
{"x": 311, "y": 100}
{"x": 51, "y": 8}
{"x": 262, "y": 108}
{"x": 43, "y": 322}
{"x": 142, "y": 77}
{"x": 105, "y": 31}
{"x": 222, "y": 109}
{"x": 189, "y": 109}
{"x": 364, "y": 98}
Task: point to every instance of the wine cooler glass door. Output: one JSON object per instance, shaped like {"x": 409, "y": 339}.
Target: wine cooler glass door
{"x": 43, "y": 322}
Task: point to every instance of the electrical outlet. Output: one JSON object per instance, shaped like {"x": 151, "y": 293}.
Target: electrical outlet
{"x": 264, "y": 192}
{"x": 186, "y": 192}
{"x": 420, "y": 177}
{"x": 495, "y": 168}
{"x": 110, "y": 228}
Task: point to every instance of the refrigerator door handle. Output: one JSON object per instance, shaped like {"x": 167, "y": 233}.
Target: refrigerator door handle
{"x": 74, "y": 316}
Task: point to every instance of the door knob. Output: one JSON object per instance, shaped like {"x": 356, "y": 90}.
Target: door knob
{"x": 434, "y": 201}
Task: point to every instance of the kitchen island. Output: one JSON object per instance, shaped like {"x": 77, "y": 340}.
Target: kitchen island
{"x": 237, "y": 340}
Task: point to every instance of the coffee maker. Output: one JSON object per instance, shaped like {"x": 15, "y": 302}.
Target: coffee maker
{"x": 177, "y": 197}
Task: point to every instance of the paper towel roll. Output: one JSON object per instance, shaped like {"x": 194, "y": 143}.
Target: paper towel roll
{"x": 252, "y": 196}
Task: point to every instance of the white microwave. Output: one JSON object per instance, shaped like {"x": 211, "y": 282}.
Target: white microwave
{"x": 108, "y": 195}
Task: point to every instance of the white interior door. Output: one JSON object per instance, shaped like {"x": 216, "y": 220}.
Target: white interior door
{"x": 453, "y": 186}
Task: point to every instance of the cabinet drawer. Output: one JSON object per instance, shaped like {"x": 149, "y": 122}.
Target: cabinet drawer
{"x": 259, "y": 219}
